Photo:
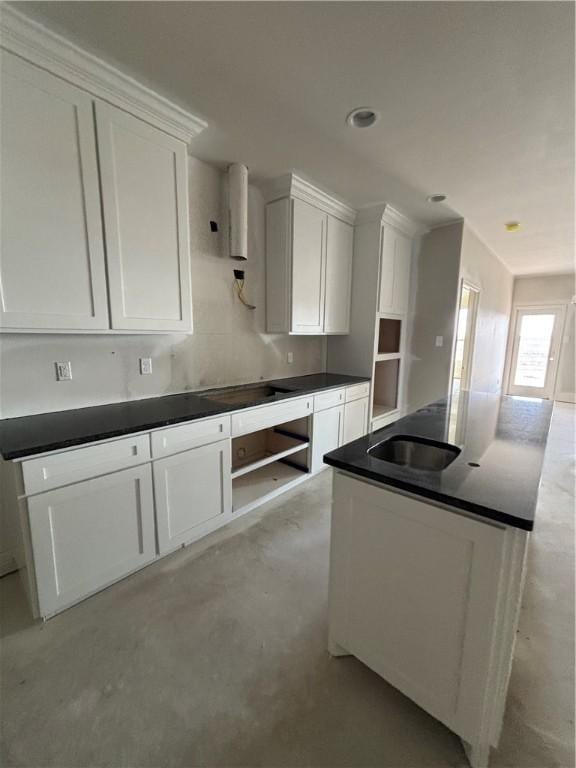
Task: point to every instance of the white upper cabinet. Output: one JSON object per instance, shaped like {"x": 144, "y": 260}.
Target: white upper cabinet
{"x": 339, "y": 248}
{"x": 308, "y": 268}
{"x": 52, "y": 263}
{"x": 395, "y": 264}
{"x": 145, "y": 202}
{"x": 309, "y": 246}
{"x": 94, "y": 205}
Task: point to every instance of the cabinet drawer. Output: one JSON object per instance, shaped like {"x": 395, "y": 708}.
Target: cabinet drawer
{"x": 67, "y": 467}
{"x": 253, "y": 419}
{"x": 328, "y": 399}
{"x": 357, "y": 391}
{"x": 191, "y": 435}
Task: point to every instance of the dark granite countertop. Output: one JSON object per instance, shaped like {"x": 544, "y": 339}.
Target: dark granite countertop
{"x": 29, "y": 435}
{"x": 504, "y": 436}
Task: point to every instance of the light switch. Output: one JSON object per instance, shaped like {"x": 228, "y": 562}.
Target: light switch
{"x": 63, "y": 371}
{"x": 145, "y": 366}
{"x": 290, "y": 357}
{"x": 439, "y": 341}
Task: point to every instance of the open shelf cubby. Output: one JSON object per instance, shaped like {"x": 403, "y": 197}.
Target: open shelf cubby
{"x": 389, "y": 334}
{"x": 250, "y": 452}
{"x": 386, "y": 381}
{"x": 254, "y": 487}
{"x": 265, "y": 461}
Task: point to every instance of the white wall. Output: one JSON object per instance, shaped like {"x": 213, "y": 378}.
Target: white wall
{"x": 448, "y": 255}
{"x": 480, "y": 267}
{"x": 229, "y": 344}
{"x": 552, "y": 290}
{"x": 435, "y": 281}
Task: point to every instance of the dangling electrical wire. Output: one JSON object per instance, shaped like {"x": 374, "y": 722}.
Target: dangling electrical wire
{"x": 239, "y": 286}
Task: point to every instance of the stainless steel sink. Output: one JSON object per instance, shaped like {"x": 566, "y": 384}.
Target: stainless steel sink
{"x": 242, "y": 395}
{"x": 415, "y": 452}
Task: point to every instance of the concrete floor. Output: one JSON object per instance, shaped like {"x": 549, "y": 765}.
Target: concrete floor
{"x": 216, "y": 656}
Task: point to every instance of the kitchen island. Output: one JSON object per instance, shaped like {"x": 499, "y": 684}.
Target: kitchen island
{"x": 430, "y": 528}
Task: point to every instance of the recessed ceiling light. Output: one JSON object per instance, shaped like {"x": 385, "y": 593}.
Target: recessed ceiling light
{"x": 436, "y": 198}
{"x": 512, "y": 226}
{"x": 362, "y": 117}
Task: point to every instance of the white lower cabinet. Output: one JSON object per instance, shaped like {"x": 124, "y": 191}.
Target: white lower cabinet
{"x": 428, "y": 598}
{"x": 87, "y": 535}
{"x": 355, "y": 420}
{"x": 327, "y": 434}
{"x": 193, "y": 492}
{"x": 94, "y": 514}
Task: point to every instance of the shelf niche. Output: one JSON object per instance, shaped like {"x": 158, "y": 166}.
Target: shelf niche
{"x": 389, "y": 334}
{"x": 386, "y": 379}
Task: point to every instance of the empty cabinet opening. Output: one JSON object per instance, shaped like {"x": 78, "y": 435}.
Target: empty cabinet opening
{"x": 264, "y": 462}
{"x": 389, "y": 336}
{"x": 386, "y": 378}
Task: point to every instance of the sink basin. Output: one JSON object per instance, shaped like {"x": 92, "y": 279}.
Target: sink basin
{"x": 242, "y": 395}
{"x": 415, "y": 452}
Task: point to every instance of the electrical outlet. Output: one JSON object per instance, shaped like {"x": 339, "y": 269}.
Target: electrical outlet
{"x": 145, "y": 366}
{"x": 439, "y": 341}
{"x": 63, "y": 371}
{"x": 290, "y": 358}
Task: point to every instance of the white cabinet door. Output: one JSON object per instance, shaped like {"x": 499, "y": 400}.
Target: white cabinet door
{"x": 328, "y": 429}
{"x": 52, "y": 269}
{"x": 145, "y": 199}
{"x": 308, "y": 268}
{"x": 355, "y": 420}
{"x": 87, "y": 535}
{"x": 402, "y": 263}
{"x": 395, "y": 262}
{"x": 193, "y": 493}
{"x": 415, "y": 595}
{"x": 339, "y": 246}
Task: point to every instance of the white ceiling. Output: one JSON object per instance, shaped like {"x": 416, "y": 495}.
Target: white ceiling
{"x": 476, "y": 100}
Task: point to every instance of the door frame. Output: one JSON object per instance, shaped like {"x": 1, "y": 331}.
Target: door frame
{"x": 470, "y": 338}
{"x": 554, "y": 351}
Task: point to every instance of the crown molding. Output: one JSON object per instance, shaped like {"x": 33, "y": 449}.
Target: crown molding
{"x": 292, "y": 185}
{"x": 383, "y": 213}
{"x": 39, "y": 45}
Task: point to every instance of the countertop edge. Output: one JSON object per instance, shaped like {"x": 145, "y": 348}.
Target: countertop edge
{"x": 450, "y": 501}
{"x": 19, "y": 454}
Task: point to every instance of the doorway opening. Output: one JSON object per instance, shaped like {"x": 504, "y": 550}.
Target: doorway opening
{"x": 537, "y": 333}
{"x": 465, "y": 333}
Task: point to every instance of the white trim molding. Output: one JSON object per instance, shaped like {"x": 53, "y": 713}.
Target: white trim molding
{"x": 292, "y": 185}
{"x": 386, "y": 214}
{"x": 39, "y": 45}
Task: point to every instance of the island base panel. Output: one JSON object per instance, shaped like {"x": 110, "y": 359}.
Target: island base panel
{"x": 428, "y": 598}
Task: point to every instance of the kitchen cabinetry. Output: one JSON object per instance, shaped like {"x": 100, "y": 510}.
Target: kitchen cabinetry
{"x": 375, "y": 347}
{"x": 64, "y": 268}
{"x": 355, "y": 419}
{"x": 394, "y": 271}
{"x": 309, "y": 245}
{"x": 445, "y": 642}
{"x": 192, "y": 491}
{"x": 328, "y": 434}
{"x": 144, "y": 186}
{"x": 308, "y": 268}
{"x": 52, "y": 268}
{"x": 92, "y": 514}
{"x": 339, "y": 250}
{"x": 87, "y": 535}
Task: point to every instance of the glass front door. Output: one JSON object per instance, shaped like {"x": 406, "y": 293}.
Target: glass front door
{"x": 535, "y": 352}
